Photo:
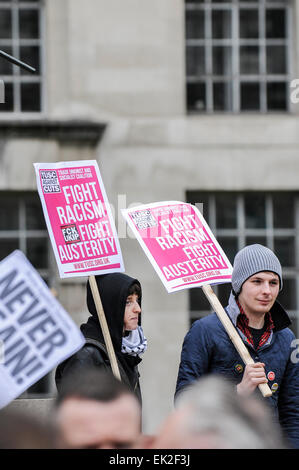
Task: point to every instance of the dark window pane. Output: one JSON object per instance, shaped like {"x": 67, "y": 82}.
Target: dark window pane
{"x": 201, "y": 200}
{"x": 275, "y": 23}
{"x": 283, "y": 210}
{"x": 205, "y": 209}
{"x": 30, "y": 97}
{"x": 249, "y": 60}
{"x": 222, "y": 95}
{"x": 5, "y": 24}
{"x": 34, "y": 216}
{"x": 196, "y": 96}
{"x": 195, "y": 26}
{"x": 287, "y": 297}
{"x": 37, "y": 252}
{"x": 249, "y": 24}
{"x": 221, "y": 24}
{"x": 223, "y": 293}
{"x": 254, "y": 240}
{"x": 195, "y": 61}
{"x": 255, "y": 210}
{"x": 277, "y": 96}
{"x": 198, "y": 300}
{"x": 29, "y": 24}
{"x": 222, "y": 60}
{"x": 229, "y": 246}
{"x": 294, "y": 325}
{"x": 276, "y": 60}
{"x": 9, "y": 99}
{"x": 9, "y": 214}
{"x": 250, "y": 96}
{"x": 284, "y": 247}
{"x": 30, "y": 55}
{"x": 5, "y": 65}
{"x": 40, "y": 387}
{"x": 7, "y": 246}
{"x": 226, "y": 211}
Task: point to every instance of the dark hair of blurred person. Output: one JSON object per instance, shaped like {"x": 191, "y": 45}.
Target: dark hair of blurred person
{"x": 95, "y": 410}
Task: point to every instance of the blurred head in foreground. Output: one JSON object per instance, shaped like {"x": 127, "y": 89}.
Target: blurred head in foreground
{"x": 95, "y": 410}
{"x": 210, "y": 415}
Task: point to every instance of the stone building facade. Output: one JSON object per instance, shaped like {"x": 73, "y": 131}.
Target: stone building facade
{"x": 176, "y": 100}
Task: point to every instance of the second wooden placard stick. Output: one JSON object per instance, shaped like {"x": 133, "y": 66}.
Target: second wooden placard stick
{"x": 104, "y": 326}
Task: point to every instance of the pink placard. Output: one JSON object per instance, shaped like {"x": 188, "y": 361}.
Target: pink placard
{"x": 179, "y": 244}
{"x": 78, "y": 218}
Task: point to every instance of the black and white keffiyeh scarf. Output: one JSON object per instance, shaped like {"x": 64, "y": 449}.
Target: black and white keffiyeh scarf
{"x": 134, "y": 343}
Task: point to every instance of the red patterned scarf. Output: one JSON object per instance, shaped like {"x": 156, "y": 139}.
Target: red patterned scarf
{"x": 243, "y": 325}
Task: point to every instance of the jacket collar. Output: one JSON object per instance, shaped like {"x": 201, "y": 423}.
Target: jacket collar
{"x": 279, "y": 316}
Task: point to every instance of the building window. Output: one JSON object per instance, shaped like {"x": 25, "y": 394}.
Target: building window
{"x": 21, "y": 31}
{"x": 240, "y": 219}
{"x": 22, "y": 227}
{"x": 238, "y": 55}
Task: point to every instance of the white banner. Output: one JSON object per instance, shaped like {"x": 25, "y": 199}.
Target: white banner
{"x": 36, "y": 333}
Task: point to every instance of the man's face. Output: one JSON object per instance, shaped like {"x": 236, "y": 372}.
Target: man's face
{"x": 132, "y": 312}
{"x": 90, "y": 424}
{"x": 259, "y": 292}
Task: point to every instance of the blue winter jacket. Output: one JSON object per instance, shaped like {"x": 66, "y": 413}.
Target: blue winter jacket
{"x": 208, "y": 349}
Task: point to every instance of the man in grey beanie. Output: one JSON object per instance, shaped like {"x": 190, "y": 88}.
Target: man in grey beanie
{"x": 262, "y": 324}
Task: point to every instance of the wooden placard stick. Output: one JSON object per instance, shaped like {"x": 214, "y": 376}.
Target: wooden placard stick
{"x": 104, "y": 326}
{"x": 232, "y": 333}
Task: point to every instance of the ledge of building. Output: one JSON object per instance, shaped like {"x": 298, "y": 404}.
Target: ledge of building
{"x": 67, "y": 132}
{"x": 39, "y": 407}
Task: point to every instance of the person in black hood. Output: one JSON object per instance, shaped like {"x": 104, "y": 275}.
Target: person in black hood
{"x": 121, "y": 299}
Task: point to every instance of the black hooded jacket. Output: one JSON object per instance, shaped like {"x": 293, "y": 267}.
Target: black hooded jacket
{"x": 113, "y": 289}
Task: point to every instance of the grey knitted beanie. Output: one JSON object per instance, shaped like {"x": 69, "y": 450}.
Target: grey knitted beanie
{"x": 251, "y": 260}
